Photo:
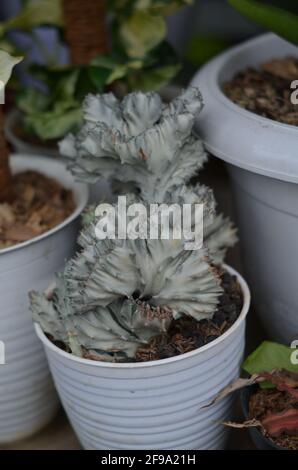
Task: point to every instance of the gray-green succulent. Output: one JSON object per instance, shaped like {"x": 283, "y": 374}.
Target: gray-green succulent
{"x": 115, "y": 294}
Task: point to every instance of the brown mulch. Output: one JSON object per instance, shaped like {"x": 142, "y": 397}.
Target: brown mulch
{"x": 187, "y": 334}
{"x": 40, "y": 204}
{"x": 265, "y": 401}
{"x": 267, "y": 90}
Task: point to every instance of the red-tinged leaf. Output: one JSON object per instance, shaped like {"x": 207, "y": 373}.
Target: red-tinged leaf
{"x": 283, "y": 380}
{"x": 277, "y": 423}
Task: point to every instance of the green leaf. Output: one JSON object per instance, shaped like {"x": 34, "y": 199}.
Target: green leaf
{"x": 9, "y": 47}
{"x": 54, "y": 124}
{"x": 142, "y": 32}
{"x": 105, "y": 70}
{"x": 203, "y": 48}
{"x": 269, "y": 356}
{"x": 105, "y": 61}
{"x": 282, "y": 22}
{"x": 166, "y": 7}
{"x": 122, "y": 70}
{"x": 7, "y": 62}
{"x": 99, "y": 77}
{"x": 51, "y": 115}
{"x": 35, "y": 13}
{"x": 154, "y": 79}
{"x": 66, "y": 87}
{"x": 32, "y": 100}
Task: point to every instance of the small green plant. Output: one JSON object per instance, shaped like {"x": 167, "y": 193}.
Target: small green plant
{"x": 115, "y": 295}
{"x": 278, "y": 16}
{"x": 273, "y": 371}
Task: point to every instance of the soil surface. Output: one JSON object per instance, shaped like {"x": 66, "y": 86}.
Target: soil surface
{"x": 267, "y": 90}
{"x": 40, "y": 204}
{"x": 187, "y": 334}
{"x": 265, "y": 401}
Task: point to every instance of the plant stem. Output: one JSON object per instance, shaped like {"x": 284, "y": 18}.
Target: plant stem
{"x": 85, "y": 29}
{"x": 6, "y": 183}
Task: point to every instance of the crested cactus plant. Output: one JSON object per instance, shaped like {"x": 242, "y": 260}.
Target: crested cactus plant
{"x": 117, "y": 294}
{"x": 150, "y": 148}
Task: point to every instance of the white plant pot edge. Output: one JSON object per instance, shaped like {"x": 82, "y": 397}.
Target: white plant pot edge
{"x": 30, "y": 401}
{"x": 22, "y": 146}
{"x": 140, "y": 365}
{"x": 81, "y": 196}
{"x": 221, "y": 113}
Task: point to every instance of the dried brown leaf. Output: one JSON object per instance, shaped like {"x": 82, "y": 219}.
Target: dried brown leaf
{"x": 236, "y": 385}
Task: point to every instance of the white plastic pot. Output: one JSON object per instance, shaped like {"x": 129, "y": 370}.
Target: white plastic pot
{"x": 152, "y": 405}
{"x": 100, "y": 191}
{"x": 27, "y": 396}
{"x": 263, "y": 162}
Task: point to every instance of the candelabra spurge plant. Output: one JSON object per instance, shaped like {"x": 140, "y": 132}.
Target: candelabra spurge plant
{"x": 117, "y": 295}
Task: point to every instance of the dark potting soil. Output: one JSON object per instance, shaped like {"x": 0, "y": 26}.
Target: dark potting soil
{"x": 265, "y": 401}
{"x": 40, "y": 204}
{"x": 267, "y": 90}
{"x": 187, "y": 334}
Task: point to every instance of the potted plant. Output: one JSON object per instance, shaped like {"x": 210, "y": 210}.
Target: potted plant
{"x": 135, "y": 59}
{"x": 269, "y": 397}
{"x": 140, "y": 332}
{"x": 39, "y": 208}
{"x": 259, "y": 143}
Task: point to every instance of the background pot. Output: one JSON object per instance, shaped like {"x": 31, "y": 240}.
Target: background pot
{"x": 27, "y": 396}
{"x": 262, "y": 442}
{"x": 262, "y": 156}
{"x": 152, "y": 405}
{"x": 97, "y": 192}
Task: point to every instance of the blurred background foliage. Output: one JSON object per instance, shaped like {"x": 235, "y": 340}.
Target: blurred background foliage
{"x": 278, "y": 16}
{"x": 139, "y": 58}
{"x": 152, "y": 43}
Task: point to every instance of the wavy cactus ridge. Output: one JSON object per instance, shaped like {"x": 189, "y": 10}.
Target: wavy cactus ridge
{"x": 138, "y": 140}
{"x": 219, "y": 233}
{"x": 107, "y": 269}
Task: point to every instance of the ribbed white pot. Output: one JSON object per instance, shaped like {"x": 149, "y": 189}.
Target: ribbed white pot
{"x": 100, "y": 191}
{"x": 152, "y": 405}
{"x": 263, "y": 162}
{"x": 27, "y": 395}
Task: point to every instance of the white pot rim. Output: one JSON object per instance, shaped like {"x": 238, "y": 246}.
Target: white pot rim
{"x": 14, "y": 116}
{"x": 236, "y": 135}
{"x": 139, "y": 365}
{"x": 80, "y": 205}
{"x": 217, "y": 64}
